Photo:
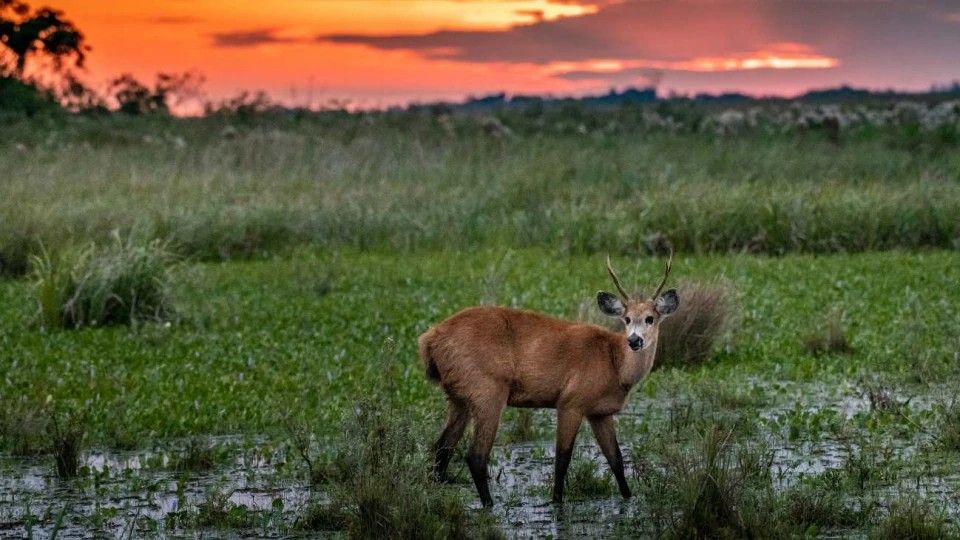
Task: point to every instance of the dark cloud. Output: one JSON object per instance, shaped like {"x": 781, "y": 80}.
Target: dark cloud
{"x": 249, "y": 38}
{"x": 864, "y": 35}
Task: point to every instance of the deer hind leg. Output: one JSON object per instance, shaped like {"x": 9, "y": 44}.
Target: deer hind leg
{"x": 486, "y": 420}
{"x": 568, "y": 423}
{"x": 457, "y": 417}
{"x": 606, "y": 435}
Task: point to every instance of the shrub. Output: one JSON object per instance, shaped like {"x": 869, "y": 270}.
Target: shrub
{"x": 123, "y": 283}
{"x": 20, "y": 99}
{"x": 694, "y": 332}
{"x": 15, "y": 247}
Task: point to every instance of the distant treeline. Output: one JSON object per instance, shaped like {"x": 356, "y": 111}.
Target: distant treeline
{"x": 128, "y": 95}
{"x": 649, "y": 95}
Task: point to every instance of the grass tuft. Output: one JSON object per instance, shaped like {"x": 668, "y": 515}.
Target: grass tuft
{"x": 949, "y": 436}
{"x": 828, "y": 338}
{"x": 124, "y": 283}
{"x": 587, "y": 480}
{"x": 66, "y": 438}
{"x": 521, "y": 426}
{"x": 701, "y": 492}
{"x": 692, "y": 334}
{"x": 198, "y": 456}
{"x": 914, "y": 520}
{"x": 23, "y": 428}
{"x": 380, "y": 486}
{"x": 321, "y": 516}
{"x": 819, "y": 506}
{"x": 215, "y": 511}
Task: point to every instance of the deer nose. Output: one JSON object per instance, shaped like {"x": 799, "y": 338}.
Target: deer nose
{"x": 635, "y": 341}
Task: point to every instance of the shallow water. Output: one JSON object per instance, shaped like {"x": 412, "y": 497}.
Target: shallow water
{"x": 121, "y": 488}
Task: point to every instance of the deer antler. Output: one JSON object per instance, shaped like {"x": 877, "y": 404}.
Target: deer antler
{"x": 666, "y": 274}
{"x": 616, "y": 281}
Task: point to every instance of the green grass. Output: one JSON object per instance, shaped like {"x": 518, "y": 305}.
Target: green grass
{"x": 257, "y": 338}
{"x": 401, "y": 181}
{"x": 125, "y": 283}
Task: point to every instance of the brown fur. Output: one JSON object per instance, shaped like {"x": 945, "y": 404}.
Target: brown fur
{"x": 486, "y": 358}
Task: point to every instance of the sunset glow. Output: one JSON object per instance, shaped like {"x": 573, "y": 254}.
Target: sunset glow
{"x": 377, "y": 53}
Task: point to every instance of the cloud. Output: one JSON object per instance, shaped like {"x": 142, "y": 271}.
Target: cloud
{"x": 705, "y": 35}
{"x": 250, "y": 38}
{"x": 776, "y": 56}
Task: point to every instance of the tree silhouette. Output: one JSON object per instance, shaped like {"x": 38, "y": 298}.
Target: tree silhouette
{"x": 44, "y": 31}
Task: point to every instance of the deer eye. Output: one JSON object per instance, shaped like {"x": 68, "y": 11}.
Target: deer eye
{"x": 626, "y": 320}
{"x": 649, "y": 319}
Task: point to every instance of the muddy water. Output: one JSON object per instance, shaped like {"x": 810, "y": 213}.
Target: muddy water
{"x": 122, "y": 488}
{"x": 522, "y": 483}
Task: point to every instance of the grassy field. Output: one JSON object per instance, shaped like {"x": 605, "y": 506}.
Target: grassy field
{"x": 277, "y": 350}
{"x": 220, "y": 189}
{"x": 282, "y": 266}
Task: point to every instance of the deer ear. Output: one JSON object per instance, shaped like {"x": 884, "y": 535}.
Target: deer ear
{"x": 610, "y": 304}
{"x": 668, "y": 302}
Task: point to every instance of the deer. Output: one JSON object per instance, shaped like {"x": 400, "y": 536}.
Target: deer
{"x": 486, "y": 358}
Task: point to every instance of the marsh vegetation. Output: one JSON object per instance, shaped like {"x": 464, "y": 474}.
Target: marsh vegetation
{"x": 212, "y": 331}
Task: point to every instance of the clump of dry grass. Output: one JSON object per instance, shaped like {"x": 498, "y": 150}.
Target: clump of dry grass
{"x": 830, "y": 338}
{"x": 704, "y": 318}
{"x": 694, "y": 332}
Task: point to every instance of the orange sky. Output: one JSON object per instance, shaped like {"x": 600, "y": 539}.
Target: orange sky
{"x": 378, "y": 52}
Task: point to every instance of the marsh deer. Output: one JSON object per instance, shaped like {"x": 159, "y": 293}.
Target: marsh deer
{"x": 486, "y": 358}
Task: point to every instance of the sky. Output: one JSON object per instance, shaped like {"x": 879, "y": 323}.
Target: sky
{"x": 376, "y": 53}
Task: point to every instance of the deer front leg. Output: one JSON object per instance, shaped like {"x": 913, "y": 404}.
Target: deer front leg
{"x": 606, "y": 435}
{"x": 568, "y": 423}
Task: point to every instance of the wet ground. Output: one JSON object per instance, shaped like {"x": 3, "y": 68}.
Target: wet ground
{"x": 138, "y": 493}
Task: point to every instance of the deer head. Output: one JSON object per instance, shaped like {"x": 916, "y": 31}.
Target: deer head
{"x": 641, "y": 316}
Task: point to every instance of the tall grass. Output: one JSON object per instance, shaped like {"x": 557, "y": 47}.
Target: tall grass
{"x": 388, "y": 181}
{"x": 913, "y": 519}
{"x": 378, "y": 485}
{"x": 714, "y": 489}
{"x": 125, "y": 282}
